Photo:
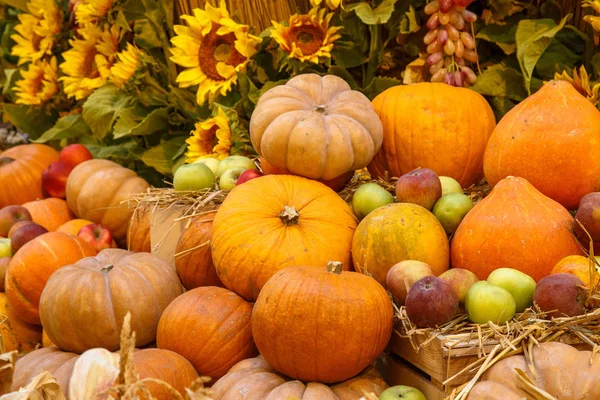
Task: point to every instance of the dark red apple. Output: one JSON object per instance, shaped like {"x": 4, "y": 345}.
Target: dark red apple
{"x": 10, "y": 215}
{"x": 74, "y": 154}
{"x": 25, "y": 234}
{"x": 430, "y": 302}
{"x": 54, "y": 178}
{"x": 98, "y": 236}
{"x": 588, "y": 215}
{"x": 16, "y": 226}
{"x": 421, "y": 186}
{"x": 247, "y": 175}
{"x": 403, "y": 275}
{"x": 4, "y": 261}
{"x": 561, "y": 295}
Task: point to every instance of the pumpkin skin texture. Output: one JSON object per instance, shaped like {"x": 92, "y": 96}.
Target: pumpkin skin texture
{"x": 220, "y": 320}
{"x": 32, "y": 266}
{"x": 316, "y": 127}
{"x": 560, "y": 370}
{"x": 95, "y": 190}
{"x": 398, "y": 232}
{"x": 103, "y": 289}
{"x": 195, "y": 267}
{"x": 436, "y": 126}
{"x": 59, "y": 363}
{"x": 321, "y": 302}
{"x": 256, "y": 378}
{"x": 521, "y": 221}
{"x": 21, "y": 179}
{"x": 275, "y": 221}
{"x": 138, "y": 232}
{"x": 16, "y": 334}
{"x": 531, "y": 139}
{"x": 50, "y": 213}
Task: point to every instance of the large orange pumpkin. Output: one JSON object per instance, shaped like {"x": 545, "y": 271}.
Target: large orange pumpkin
{"x": 138, "y": 231}
{"x": 193, "y": 259}
{"x": 398, "y": 232}
{"x": 314, "y": 324}
{"x": 336, "y": 184}
{"x": 315, "y": 127}
{"x": 210, "y": 327}
{"x": 51, "y": 359}
{"x": 552, "y": 139}
{"x": 435, "y": 126}
{"x": 50, "y": 213}
{"x": 16, "y": 334}
{"x": 98, "y": 190}
{"x": 515, "y": 226}
{"x": 21, "y": 170}
{"x": 34, "y": 263}
{"x": 83, "y": 304}
{"x": 275, "y": 221}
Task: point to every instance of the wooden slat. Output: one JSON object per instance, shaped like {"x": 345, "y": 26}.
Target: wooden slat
{"x": 399, "y": 372}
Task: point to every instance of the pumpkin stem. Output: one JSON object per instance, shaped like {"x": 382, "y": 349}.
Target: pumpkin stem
{"x": 334, "y": 267}
{"x": 107, "y": 268}
{"x": 5, "y": 161}
{"x": 289, "y": 215}
{"x": 321, "y": 109}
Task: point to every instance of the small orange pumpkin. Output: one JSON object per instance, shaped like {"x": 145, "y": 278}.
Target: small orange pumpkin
{"x": 580, "y": 267}
{"x": 73, "y": 226}
{"x": 16, "y": 334}
{"x": 51, "y": 359}
{"x": 50, "y": 213}
{"x": 138, "y": 231}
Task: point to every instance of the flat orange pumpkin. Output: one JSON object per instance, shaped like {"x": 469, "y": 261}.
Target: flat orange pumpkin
{"x": 50, "y": 213}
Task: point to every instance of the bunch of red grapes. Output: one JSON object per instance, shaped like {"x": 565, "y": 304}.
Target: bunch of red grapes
{"x": 449, "y": 44}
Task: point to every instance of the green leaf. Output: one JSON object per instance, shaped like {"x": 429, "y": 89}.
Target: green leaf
{"x": 408, "y": 23}
{"x": 162, "y": 157}
{"x": 501, "y": 105}
{"x": 102, "y": 109}
{"x": 501, "y": 81}
{"x": 344, "y": 74}
{"x": 131, "y": 123}
{"x": 556, "y": 58}
{"x": 18, "y": 4}
{"x": 533, "y": 38}
{"x": 121, "y": 21}
{"x": 67, "y": 127}
{"x": 348, "y": 55}
{"x": 11, "y": 78}
{"x": 146, "y": 35}
{"x": 121, "y": 151}
{"x": 596, "y": 64}
{"x": 501, "y": 35}
{"x": 378, "y": 85}
{"x": 32, "y": 120}
{"x": 380, "y": 15}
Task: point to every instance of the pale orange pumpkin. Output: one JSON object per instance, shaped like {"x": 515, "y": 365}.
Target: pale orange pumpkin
{"x": 21, "y": 170}
{"x": 436, "y": 126}
{"x": 51, "y": 359}
{"x": 580, "y": 266}
{"x": 515, "y": 226}
{"x": 138, "y": 231}
{"x": 275, "y": 221}
{"x": 50, "y": 213}
{"x": 16, "y": 334}
{"x": 315, "y": 127}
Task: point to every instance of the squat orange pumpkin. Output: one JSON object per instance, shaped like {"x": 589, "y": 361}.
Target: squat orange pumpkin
{"x": 50, "y": 213}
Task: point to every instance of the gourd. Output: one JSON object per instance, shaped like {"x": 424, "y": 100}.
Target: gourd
{"x": 50, "y": 213}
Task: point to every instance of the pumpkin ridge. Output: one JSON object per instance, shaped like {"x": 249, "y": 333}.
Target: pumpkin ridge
{"x": 276, "y": 314}
{"x": 332, "y": 120}
{"x": 148, "y": 286}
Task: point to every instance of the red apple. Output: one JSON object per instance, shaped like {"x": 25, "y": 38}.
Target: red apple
{"x": 4, "y": 261}
{"x": 431, "y": 301}
{"x": 403, "y": 275}
{"x": 421, "y": 186}
{"x": 10, "y": 215}
{"x": 54, "y": 178}
{"x": 247, "y": 175}
{"x": 74, "y": 154}
{"x": 25, "y": 234}
{"x": 461, "y": 281}
{"x": 560, "y": 295}
{"x": 98, "y": 236}
{"x": 16, "y": 226}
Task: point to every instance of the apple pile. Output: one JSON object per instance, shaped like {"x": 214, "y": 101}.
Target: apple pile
{"x": 207, "y": 173}
{"x": 54, "y": 178}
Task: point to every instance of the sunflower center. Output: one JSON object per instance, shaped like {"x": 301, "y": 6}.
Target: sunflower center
{"x": 88, "y": 68}
{"x": 216, "y": 49}
{"x": 208, "y": 140}
{"x": 308, "y": 38}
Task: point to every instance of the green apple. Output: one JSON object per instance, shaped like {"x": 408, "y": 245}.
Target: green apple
{"x": 450, "y": 210}
{"x": 520, "y": 285}
{"x": 212, "y": 163}
{"x": 368, "y": 197}
{"x": 195, "y": 176}
{"x": 228, "y": 179}
{"x": 486, "y": 302}
{"x": 450, "y": 185}
{"x": 5, "y": 250}
{"x": 402, "y": 392}
{"x": 235, "y": 161}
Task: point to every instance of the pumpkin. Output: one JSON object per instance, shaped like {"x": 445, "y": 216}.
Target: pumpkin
{"x": 59, "y": 363}
{"x": 398, "y": 232}
{"x": 275, "y": 221}
{"x": 21, "y": 170}
{"x": 83, "y": 305}
{"x": 16, "y": 334}
{"x": 312, "y": 324}
{"x": 259, "y": 380}
{"x": 138, "y": 231}
{"x": 517, "y": 227}
{"x": 433, "y": 125}
{"x": 220, "y": 322}
{"x": 73, "y": 226}
{"x": 315, "y": 127}
{"x": 557, "y": 368}
{"x": 531, "y": 142}
{"x": 4, "y": 263}
{"x": 50, "y": 213}
{"x": 96, "y": 190}
{"x": 580, "y": 267}
{"x": 46, "y": 342}
{"x": 193, "y": 259}
{"x": 34, "y": 263}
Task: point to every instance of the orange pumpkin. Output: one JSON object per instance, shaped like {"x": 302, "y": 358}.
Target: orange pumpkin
{"x": 16, "y": 334}
{"x": 103, "y": 289}
{"x": 435, "y": 126}
{"x": 34, "y": 263}
{"x": 580, "y": 267}
{"x": 259, "y": 380}
{"x": 46, "y": 342}
{"x": 21, "y": 170}
{"x": 59, "y": 363}
{"x": 398, "y": 232}
{"x": 220, "y": 322}
{"x": 194, "y": 260}
{"x": 559, "y": 155}
{"x": 73, "y": 226}
{"x": 138, "y": 231}
{"x": 274, "y": 221}
{"x": 515, "y": 226}
{"x": 50, "y": 213}
{"x": 4, "y": 262}
{"x": 336, "y": 184}
{"x": 312, "y": 324}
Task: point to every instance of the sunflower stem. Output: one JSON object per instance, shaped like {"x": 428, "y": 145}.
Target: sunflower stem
{"x": 374, "y": 51}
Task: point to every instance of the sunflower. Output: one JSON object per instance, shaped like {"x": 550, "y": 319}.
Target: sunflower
{"x": 332, "y": 4}
{"x": 211, "y": 138}
{"x": 581, "y": 82}
{"x": 307, "y": 37}
{"x": 212, "y": 48}
{"x": 91, "y": 11}
{"x": 87, "y": 64}
{"x": 39, "y": 83}
{"x": 124, "y": 69}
